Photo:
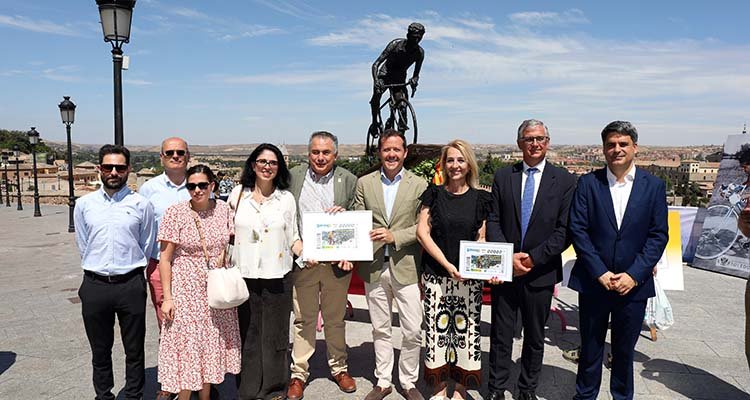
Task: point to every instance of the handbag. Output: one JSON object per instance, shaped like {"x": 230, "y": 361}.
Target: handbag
{"x": 658, "y": 309}
{"x": 225, "y": 286}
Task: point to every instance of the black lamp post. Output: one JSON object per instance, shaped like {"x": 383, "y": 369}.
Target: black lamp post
{"x": 17, "y": 153}
{"x": 34, "y": 140}
{"x": 68, "y": 112}
{"x": 116, "y": 16}
{"x": 5, "y": 182}
{"x": 7, "y": 185}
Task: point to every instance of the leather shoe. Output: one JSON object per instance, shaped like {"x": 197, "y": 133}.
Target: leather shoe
{"x": 496, "y": 396}
{"x": 412, "y": 394}
{"x": 345, "y": 382}
{"x": 164, "y": 395}
{"x": 296, "y": 389}
{"x": 378, "y": 393}
{"x": 527, "y": 396}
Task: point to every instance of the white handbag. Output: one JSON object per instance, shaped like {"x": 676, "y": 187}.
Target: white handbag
{"x": 225, "y": 286}
{"x": 658, "y": 309}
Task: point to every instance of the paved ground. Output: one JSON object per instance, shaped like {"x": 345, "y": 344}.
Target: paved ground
{"x": 44, "y": 353}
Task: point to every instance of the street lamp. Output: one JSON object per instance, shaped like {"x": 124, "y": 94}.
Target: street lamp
{"x": 68, "y": 112}
{"x": 5, "y": 179}
{"x": 116, "y": 16}
{"x": 34, "y": 140}
{"x": 17, "y": 153}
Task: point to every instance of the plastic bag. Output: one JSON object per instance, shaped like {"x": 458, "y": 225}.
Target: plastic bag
{"x": 658, "y": 309}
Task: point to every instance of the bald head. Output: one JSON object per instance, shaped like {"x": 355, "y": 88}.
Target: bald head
{"x": 174, "y": 155}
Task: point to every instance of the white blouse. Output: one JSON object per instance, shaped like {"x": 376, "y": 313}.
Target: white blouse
{"x": 264, "y": 234}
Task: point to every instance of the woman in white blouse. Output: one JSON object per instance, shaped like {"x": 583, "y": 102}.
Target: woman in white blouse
{"x": 266, "y": 236}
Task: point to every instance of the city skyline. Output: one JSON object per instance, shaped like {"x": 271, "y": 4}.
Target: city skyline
{"x": 243, "y": 72}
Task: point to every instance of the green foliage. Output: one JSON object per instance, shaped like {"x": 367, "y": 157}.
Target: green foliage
{"x": 357, "y": 166}
{"x": 487, "y": 169}
{"x": 10, "y": 138}
{"x": 691, "y": 194}
{"x": 425, "y": 169}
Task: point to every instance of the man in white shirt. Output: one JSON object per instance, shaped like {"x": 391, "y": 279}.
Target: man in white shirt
{"x": 618, "y": 226}
{"x": 392, "y": 193}
{"x": 114, "y": 233}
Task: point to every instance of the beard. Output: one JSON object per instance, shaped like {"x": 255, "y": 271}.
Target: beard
{"x": 115, "y": 183}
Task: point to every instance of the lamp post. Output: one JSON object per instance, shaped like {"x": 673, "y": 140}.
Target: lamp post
{"x": 67, "y": 112}
{"x": 17, "y": 153}
{"x": 116, "y": 16}
{"x": 7, "y": 187}
{"x": 34, "y": 140}
{"x": 5, "y": 182}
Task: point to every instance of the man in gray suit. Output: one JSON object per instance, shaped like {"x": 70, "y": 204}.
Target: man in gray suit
{"x": 320, "y": 186}
{"x": 392, "y": 194}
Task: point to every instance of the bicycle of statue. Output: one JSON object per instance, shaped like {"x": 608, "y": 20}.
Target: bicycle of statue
{"x": 401, "y": 111}
{"x": 720, "y": 230}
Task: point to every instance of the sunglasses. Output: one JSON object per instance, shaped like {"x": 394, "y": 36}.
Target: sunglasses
{"x": 170, "y": 153}
{"x": 267, "y": 163}
{"x": 107, "y": 168}
{"x": 201, "y": 185}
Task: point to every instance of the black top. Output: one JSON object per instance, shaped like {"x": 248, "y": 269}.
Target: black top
{"x": 453, "y": 218}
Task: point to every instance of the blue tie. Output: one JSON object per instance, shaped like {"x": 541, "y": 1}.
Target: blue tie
{"x": 527, "y": 201}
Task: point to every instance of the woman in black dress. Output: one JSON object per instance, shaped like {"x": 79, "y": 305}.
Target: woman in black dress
{"x": 450, "y": 213}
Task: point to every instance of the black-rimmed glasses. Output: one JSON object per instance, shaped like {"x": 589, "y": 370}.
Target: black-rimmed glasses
{"x": 267, "y": 163}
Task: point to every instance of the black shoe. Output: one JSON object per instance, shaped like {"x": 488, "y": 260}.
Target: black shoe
{"x": 527, "y": 396}
{"x": 496, "y": 396}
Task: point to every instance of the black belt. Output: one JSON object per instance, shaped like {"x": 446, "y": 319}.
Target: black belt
{"x": 386, "y": 258}
{"x": 114, "y": 278}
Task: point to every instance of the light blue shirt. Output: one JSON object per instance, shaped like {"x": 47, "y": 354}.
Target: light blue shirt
{"x": 390, "y": 189}
{"x": 162, "y": 194}
{"x": 114, "y": 234}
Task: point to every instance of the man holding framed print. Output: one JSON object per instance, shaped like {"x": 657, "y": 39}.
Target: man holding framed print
{"x": 531, "y": 200}
{"x": 320, "y": 186}
{"x": 392, "y": 194}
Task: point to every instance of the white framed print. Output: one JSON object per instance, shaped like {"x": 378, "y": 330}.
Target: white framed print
{"x": 339, "y": 236}
{"x": 484, "y": 260}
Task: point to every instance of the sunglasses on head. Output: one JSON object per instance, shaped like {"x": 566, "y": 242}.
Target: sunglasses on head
{"x": 170, "y": 153}
{"x": 201, "y": 185}
{"x": 107, "y": 168}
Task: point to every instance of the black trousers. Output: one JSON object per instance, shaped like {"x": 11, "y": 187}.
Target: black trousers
{"x": 100, "y": 302}
{"x": 534, "y": 304}
{"x": 264, "y": 330}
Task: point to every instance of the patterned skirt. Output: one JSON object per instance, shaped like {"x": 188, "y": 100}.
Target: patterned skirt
{"x": 452, "y": 312}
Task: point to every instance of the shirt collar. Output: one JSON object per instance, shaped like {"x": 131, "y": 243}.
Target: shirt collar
{"x": 320, "y": 179}
{"x": 539, "y": 167}
{"x": 398, "y": 177}
{"x": 629, "y": 177}
{"x": 170, "y": 184}
{"x": 119, "y": 195}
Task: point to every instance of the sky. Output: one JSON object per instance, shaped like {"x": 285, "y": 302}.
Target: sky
{"x": 249, "y": 71}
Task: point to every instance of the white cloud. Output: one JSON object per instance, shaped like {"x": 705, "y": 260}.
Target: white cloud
{"x": 41, "y": 26}
{"x": 295, "y": 8}
{"x": 63, "y": 73}
{"x": 252, "y": 31}
{"x": 572, "y": 16}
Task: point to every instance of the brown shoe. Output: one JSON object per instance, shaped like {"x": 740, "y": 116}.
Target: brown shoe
{"x": 164, "y": 395}
{"x": 296, "y": 389}
{"x": 345, "y": 382}
{"x": 412, "y": 394}
{"x": 378, "y": 393}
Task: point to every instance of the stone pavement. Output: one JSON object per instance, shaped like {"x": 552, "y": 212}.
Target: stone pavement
{"x": 44, "y": 353}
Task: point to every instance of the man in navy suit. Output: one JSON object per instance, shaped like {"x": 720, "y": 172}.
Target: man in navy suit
{"x": 618, "y": 226}
{"x": 529, "y": 209}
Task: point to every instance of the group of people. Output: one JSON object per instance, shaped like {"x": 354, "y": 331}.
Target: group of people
{"x": 174, "y": 231}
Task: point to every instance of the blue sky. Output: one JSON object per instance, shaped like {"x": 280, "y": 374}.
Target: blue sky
{"x": 223, "y": 72}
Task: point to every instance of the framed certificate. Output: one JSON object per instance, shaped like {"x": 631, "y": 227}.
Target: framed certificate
{"x": 484, "y": 260}
{"x": 334, "y": 237}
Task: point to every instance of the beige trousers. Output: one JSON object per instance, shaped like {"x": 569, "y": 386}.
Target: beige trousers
{"x": 314, "y": 289}
{"x": 747, "y": 321}
{"x": 380, "y": 296}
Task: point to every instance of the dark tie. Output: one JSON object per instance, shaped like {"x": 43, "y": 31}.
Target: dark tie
{"x": 527, "y": 201}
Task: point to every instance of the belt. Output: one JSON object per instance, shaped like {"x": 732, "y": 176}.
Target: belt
{"x": 386, "y": 258}
{"x": 114, "y": 278}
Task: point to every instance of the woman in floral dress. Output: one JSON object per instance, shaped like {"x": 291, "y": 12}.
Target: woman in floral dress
{"x": 199, "y": 344}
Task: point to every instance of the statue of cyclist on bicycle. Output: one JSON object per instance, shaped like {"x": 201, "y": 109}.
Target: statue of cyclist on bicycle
{"x": 391, "y": 68}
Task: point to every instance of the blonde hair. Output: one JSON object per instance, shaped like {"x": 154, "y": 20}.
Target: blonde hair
{"x": 472, "y": 175}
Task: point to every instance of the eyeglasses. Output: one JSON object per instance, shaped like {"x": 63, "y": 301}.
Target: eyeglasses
{"x": 170, "y": 153}
{"x": 201, "y": 185}
{"x": 107, "y": 168}
{"x": 532, "y": 139}
{"x": 267, "y": 163}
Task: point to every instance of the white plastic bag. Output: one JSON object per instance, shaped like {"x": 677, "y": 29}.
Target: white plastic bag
{"x": 658, "y": 309}
{"x": 226, "y": 288}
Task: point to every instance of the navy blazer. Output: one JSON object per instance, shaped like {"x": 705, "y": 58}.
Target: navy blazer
{"x": 635, "y": 248}
{"x": 546, "y": 236}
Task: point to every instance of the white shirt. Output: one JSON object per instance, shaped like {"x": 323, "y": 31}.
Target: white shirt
{"x": 264, "y": 234}
{"x": 316, "y": 194}
{"x": 390, "y": 189}
{"x": 620, "y": 192}
{"x": 162, "y": 194}
{"x": 537, "y": 178}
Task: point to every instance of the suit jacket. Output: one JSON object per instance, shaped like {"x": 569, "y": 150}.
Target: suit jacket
{"x": 405, "y": 253}
{"x": 546, "y": 235}
{"x": 635, "y": 248}
{"x": 344, "y": 183}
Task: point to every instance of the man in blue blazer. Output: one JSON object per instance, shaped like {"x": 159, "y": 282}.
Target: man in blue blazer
{"x": 618, "y": 226}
